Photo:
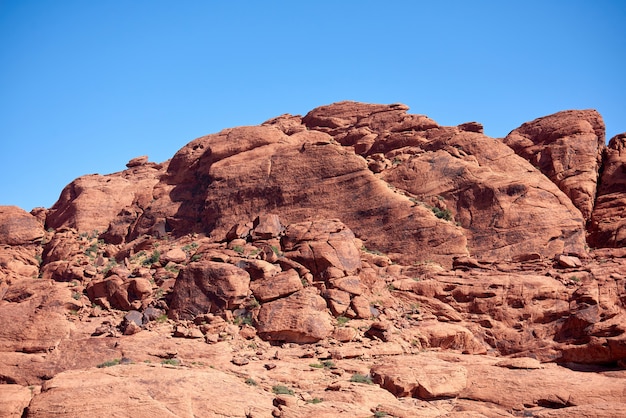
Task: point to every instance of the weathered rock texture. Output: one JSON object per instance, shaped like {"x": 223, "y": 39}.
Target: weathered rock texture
{"x": 357, "y": 261}
{"x": 608, "y": 222}
{"x": 567, "y": 147}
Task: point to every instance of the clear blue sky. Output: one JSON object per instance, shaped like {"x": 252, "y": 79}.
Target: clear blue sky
{"x": 87, "y": 85}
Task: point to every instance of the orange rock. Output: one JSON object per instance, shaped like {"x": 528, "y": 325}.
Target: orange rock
{"x": 608, "y": 222}
{"x": 567, "y": 147}
{"x": 18, "y": 227}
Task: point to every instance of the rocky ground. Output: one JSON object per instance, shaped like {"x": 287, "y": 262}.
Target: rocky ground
{"x": 359, "y": 261}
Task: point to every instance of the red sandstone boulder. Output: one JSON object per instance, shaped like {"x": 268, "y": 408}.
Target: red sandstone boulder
{"x": 567, "y": 147}
{"x": 419, "y": 377}
{"x": 300, "y": 318}
{"x": 18, "y": 227}
{"x": 208, "y": 286}
{"x": 608, "y": 222}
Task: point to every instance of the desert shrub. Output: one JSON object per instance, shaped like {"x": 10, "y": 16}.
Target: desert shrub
{"x": 444, "y": 214}
{"x": 109, "y": 363}
{"x": 281, "y": 390}
{"x": 361, "y": 378}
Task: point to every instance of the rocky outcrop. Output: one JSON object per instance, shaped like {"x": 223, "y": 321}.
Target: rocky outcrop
{"x": 18, "y": 227}
{"x": 217, "y": 180}
{"x": 505, "y": 207}
{"x": 608, "y": 223}
{"x": 109, "y": 203}
{"x": 357, "y": 261}
{"x": 452, "y": 190}
{"x": 567, "y": 147}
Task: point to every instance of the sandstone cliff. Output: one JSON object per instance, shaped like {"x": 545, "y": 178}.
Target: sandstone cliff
{"x": 357, "y": 261}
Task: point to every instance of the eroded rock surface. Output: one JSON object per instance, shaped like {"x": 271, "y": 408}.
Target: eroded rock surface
{"x": 358, "y": 261}
{"x": 567, "y": 147}
{"x": 608, "y": 223}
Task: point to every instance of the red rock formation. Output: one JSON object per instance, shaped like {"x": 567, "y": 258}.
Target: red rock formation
{"x": 567, "y": 147}
{"x": 108, "y": 203}
{"x": 297, "y": 296}
{"x": 608, "y": 221}
{"x": 18, "y": 227}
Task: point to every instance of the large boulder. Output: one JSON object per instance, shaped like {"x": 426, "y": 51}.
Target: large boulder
{"x": 18, "y": 227}
{"x": 300, "y": 318}
{"x": 419, "y": 377}
{"x": 208, "y": 286}
{"x": 567, "y": 147}
{"x": 608, "y": 222}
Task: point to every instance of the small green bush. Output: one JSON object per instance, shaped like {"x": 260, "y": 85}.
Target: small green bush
{"x": 171, "y": 361}
{"x": 315, "y": 400}
{"x": 444, "y": 214}
{"x": 109, "y": 363}
{"x": 281, "y": 390}
{"x": 154, "y": 258}
{"x": 342, "y": 320}
{"x": 250, "y": 381}
{"x": 361, "y": 378}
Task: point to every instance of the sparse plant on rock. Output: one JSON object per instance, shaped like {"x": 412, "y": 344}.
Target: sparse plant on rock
{"x": 281, "y": 390}
{"x": 109, "y": 363}
{"x": 361, "y": 378}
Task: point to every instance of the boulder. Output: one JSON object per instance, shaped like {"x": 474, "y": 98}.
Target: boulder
{"x": 567, "y": 147}
{"x": 208, "y": 286}
{"x": 326, "y": 248}
{"x": 278, "y": 286}
{"x": 18, "y": 227}
{"x": 299, "y": 318}
{"x": 421, "y": 378}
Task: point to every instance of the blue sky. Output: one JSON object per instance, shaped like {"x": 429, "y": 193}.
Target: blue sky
{"x": 87, "y": 85}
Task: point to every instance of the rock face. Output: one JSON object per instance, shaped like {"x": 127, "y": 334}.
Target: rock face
{"x": 357, "y": 261}
{"x": 109, "y": 203}
{"x": 567, "y": 147}
{"x": 145, "y": 391}
{"x": 18, "y": 227}
{"x": 608, "y": 223}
